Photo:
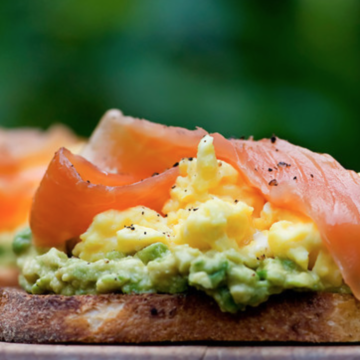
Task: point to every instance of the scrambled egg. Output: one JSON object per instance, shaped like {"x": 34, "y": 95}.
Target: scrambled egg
{"x": 212, "y": 209}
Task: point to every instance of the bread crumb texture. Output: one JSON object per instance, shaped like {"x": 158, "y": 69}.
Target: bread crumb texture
{"x": 145, "y": 318}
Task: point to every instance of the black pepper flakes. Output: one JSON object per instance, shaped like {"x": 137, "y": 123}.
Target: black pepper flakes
{"x": 190, "y": 159}
{"x": 196, "y": 209}
{"x": 236, "y": 201}
{"x": 273, "y": 139}
{"x": 294, "y": 178}
{"x": 158, "y": 215}
{"x": 273, "y": 182}
{"x": 312, "y": 175}
{"x": 143, "y": 212}
{"x": 270, "y": 169}
{"x": 88, "y": 181}
{"x": 132, "y": 228}
{"x": 144, "y": 232}
{"x": 283, "y": 164}
{"x": 173, "y": 187}
{"x": 155, "y": 174}
{"x": 176, "y": 164}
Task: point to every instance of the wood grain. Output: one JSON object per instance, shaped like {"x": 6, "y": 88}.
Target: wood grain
{"x": 105, "y": 352}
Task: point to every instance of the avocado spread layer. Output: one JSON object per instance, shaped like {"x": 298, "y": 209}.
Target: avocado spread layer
{"x": 233, "y": 280}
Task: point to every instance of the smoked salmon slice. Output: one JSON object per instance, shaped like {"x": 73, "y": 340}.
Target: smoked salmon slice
{"x": 146, "y": 148}
{"x": 24, "y": 156}
{"x": 125, "y": 150}
{"x": 125, "y": 145}
{"x": 67, "y": 199}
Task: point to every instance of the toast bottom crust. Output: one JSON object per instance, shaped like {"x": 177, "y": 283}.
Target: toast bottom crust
{"x": 146, "y": 318}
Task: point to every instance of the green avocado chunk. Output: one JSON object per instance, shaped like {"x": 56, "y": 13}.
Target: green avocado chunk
{"x": 152, "y": 252}
{"x": 22, "y": 241}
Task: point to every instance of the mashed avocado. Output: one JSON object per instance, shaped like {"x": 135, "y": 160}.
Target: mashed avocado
{"x": 230, "y": 278}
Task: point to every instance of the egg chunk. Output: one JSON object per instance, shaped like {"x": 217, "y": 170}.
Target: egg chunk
{"x": 122, "y": 231}
{"x": 203, "y": 209}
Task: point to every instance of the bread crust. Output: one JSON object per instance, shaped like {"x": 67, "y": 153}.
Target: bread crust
{"x": 116, "y": 318}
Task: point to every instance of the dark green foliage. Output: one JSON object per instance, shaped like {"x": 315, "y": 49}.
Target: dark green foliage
{"x": 239, "y": 67}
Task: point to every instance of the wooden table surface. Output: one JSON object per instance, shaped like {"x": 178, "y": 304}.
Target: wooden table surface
{"x": 202, "y": 352}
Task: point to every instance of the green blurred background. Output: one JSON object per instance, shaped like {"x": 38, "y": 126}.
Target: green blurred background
{"x": 240, "y": 67}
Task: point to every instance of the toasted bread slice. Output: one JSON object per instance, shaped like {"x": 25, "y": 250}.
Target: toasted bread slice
{"x": 305, "y": 317}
